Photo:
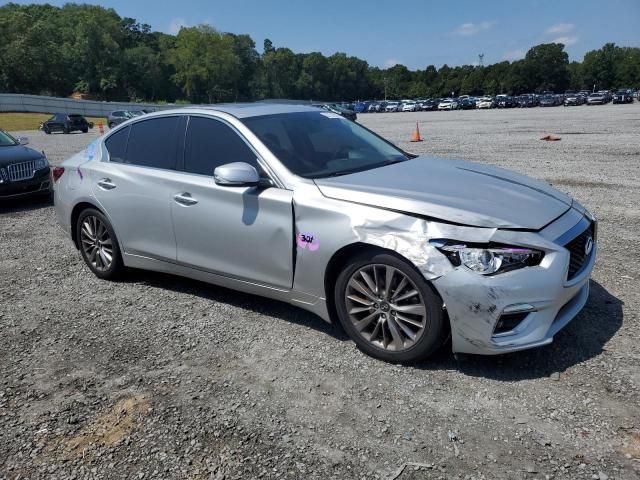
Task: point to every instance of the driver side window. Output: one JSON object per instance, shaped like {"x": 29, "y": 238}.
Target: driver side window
{"x": 210, "y": 143}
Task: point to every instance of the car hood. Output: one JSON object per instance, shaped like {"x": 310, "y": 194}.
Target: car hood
{"x": 454, "y": 191}
{"x": 17, "y": 153}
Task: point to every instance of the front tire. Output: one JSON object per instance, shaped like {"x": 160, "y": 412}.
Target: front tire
{"x": 388, "y": 308}
{"x": 98, "y": 245}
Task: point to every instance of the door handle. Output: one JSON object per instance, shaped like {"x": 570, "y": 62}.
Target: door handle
{"x": 106, "y": 184}
{"x": 185, "y": 198}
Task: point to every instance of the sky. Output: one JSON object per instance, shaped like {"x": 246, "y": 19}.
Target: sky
{"x": 411, "y": 32}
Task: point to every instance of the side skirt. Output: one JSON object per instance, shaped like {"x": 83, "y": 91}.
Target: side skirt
{"x": 311, "y": 303}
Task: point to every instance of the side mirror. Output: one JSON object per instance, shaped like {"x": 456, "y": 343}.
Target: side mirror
{"x": 23, "y": 140}
{"x": 238, "y": 174}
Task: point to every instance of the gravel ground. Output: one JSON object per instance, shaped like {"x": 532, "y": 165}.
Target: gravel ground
{"x": 162, "y": 377}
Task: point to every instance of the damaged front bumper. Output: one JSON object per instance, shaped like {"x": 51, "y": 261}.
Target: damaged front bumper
{"x": 524, "y": 308}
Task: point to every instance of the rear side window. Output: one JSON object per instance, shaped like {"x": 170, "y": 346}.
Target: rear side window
{"x": 211, "y": 143}
{"x": 117, "y": 145}
{"x": 152, "y": 143}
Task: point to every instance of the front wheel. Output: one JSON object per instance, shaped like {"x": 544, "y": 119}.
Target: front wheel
{"x": 98, "y": 244}
{"x": 388, "y": 309}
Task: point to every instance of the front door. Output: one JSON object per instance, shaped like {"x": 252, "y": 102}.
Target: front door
{"x": 241, "y": 232}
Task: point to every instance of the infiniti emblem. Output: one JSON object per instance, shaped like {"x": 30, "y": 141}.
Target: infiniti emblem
{"x": 588, "y": 246}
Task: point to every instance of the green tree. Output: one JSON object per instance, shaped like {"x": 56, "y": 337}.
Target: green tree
{"x": 207, "y": 67}
{"x": 546, "y": 65}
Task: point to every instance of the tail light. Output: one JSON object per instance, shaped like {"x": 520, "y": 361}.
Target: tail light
{"x": 57, "y": 173}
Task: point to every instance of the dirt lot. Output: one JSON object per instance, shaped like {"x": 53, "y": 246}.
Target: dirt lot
{"x": 161, "y": 377}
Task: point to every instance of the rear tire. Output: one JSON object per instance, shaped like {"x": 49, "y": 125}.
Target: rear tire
{"x": 98, "y": 245}
{"x": 85, "y": 130}
{"x": 400, "y": 322}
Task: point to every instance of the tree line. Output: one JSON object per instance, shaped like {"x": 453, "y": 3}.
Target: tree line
{"x": 56, "y": 51}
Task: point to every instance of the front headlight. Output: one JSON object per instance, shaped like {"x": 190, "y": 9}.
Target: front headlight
{"x": 487, "y": 260}
{"x": 41, "y": 163}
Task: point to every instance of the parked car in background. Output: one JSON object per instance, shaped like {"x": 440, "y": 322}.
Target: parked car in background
{"x": 485, "y": 102}
{"x": 608, "y": 96}
{"x": 505, "y": 101}
{"x": 409, "y": 106}
{"x": 623, "y": 96}
{"x": 429, "y": 105}
{"x": 573, "y": 99}
{"x": 23, "y": 171}
{"x": 597, "y": 98}
{"x": 392, "y": 107}
{"x": 448, "y": 104}
{"x": 119, "y": 116}
{"x": 527, "y": 101}
{"x": 66, "y": 123}
{"x": 404, "y": 251}
{"x": 374, "y": 107}
{"x": 339, "y": 109}
{"x": 360, "y": 107}
{"x": 467, "y": 103}
{"x": 549, "y": 101}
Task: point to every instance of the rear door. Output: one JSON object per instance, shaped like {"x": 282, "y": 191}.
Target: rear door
{"x": 240, "y": 232}
{"x": 133, "y": 186}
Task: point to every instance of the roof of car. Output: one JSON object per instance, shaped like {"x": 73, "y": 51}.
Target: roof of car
{"x": 245, "y": 110}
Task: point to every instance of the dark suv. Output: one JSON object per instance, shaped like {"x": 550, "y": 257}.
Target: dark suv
{"x": 66, "y": 123}
{"x": 623, "y": 96}
{"x": 23, "y": 171}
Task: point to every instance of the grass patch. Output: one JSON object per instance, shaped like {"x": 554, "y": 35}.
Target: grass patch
{"x": 12, "y": 122}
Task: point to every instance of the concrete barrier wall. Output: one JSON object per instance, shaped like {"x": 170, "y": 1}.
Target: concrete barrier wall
{"x": 15, "y": 102}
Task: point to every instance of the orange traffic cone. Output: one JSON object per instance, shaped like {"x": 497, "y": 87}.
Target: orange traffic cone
{"x": 101, "y": 128}
{"x": 415, "y": 136}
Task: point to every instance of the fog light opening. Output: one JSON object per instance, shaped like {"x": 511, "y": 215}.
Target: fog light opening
{"x": 508, "y": 322}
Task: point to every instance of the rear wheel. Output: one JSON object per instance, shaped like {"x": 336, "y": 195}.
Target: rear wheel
{"x": 65, "y": 130}
{"x": 389, "y": 309}
{"x": 85, "y": 129}
{"x": 99, "y": 245}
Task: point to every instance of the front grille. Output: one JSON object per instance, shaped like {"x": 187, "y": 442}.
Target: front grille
{"x": 21, "y": 171}
{"x": 578, "y": 255}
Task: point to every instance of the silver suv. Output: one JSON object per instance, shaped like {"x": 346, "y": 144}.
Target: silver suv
{"x": 302, "y": 205}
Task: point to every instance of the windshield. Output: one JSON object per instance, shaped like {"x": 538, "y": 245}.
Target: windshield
{"x": 7, "y": 140}
{"x": 322, "y": 144}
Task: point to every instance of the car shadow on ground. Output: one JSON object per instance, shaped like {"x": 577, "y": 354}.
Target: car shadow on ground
{"x": 255, "y": 303}
{"x": 25, "y": 204}
{"x": 584, "y": 338}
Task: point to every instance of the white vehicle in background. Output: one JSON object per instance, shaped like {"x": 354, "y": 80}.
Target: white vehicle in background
{"x": 448, "y": 104}
{"x": 410, "y": 106}
{"x": 485, "y": 102}
{"x": 392, "y": 107}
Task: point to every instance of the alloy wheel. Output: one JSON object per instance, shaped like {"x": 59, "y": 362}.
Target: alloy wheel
{"x": 385, "y": 307}
{"x": 96, "y": 243}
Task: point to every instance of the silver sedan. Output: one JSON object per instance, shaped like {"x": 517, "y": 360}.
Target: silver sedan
{"x": 302, "y": 205}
